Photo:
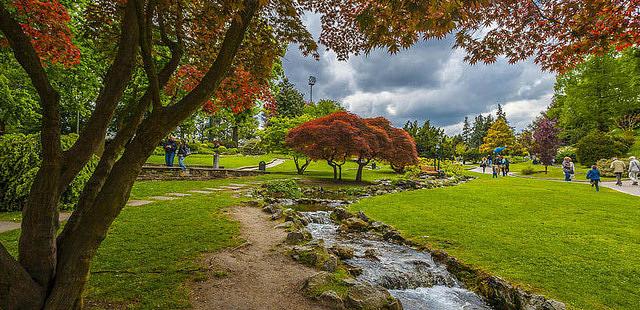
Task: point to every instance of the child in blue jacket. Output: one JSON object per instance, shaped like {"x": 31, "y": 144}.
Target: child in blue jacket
{"x": 594, "y": 176}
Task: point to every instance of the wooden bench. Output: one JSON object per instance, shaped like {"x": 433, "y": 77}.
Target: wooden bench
{"x": 429, "y": 170}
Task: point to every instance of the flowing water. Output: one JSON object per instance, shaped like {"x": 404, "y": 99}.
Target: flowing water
{"x": 410, "y": 275}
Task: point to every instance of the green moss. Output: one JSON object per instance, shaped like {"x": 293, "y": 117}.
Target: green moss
{"x": 336, "y": 284}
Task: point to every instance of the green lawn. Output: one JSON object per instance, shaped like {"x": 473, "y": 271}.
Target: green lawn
{"x": 152, "y": 250}
{"x": 563, "y": 240}
{"x": 319, "y": 170}
{"x": 227, "y": 161}
{"x": 13, "y": 216}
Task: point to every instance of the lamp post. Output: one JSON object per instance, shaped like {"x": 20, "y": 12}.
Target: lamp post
{"x": 436, "y": 165}
{"x": 312, "y": 81}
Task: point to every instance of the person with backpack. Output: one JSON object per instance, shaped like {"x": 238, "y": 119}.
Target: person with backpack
{"x": 170, "y": 148}
{"x": 618, "y": 168}
{"x": 183, "y": 152}
{"x": 634, "y": 170}
{"x": 568, "y": 168}
{"x": 505, "y": 166}
{"x": 496, "y": 167}
{"x": 594, "y": 177}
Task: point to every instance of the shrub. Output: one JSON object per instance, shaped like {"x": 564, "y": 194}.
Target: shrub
{"x": 528, "y": 170}
{"x": 566, "y": 151}
{"x": 282, "y": 189}
{"x": 159, "y": 150}
{"x": 252, "y": 147}
{"x": 597, "y": 145}
{"x": 19, "y": 163}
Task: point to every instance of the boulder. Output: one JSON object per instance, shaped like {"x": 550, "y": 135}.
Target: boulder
{"x": 330, "y": 264}
{"x": 393, "y": 235}
{"x": 341, "y": 214}
{"x": 270, "y": 209}
{"x": 298, "y": 236}
{"x": 276, "y": 215}
{"x": 285, "y": 225}
{"x": 331, "y": 300}
{"x": 371, "y": 254}
{"x": 353, "y": 224}
{"x": 367, "y": 296}
{"x": 342, "y": 252}
{"x": 363, "y": 216}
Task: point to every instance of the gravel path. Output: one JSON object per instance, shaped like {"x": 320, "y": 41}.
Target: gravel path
{"x": 256, "y": 275}
{"x": 7, "y": 226}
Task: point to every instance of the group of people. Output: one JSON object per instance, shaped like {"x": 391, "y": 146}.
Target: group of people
{"x": 498, "y": 164}
{"x": 171, "y": 148}
{"x": 593, "y": 175}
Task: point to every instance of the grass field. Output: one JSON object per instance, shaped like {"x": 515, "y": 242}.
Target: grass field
{"x": 563, "y": 240}
{"x": 152, "y": 250}
{"x": 227, "y": 161}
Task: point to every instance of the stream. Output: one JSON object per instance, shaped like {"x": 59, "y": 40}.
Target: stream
{"x": 411, "y": 276}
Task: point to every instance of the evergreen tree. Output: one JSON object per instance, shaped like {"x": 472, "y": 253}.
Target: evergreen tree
{"x": 501, "y": 114}
{"x": 466, "y": 131}
{"x": 478, "y": 131}
{"x": 289, "y": 101}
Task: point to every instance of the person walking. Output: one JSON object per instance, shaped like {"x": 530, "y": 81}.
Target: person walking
{"x": 483, "y": 164}
{"x": 170, "y": 148}
{"x": 618, "y": 168}
{"x": 634, "y": 170}
{"x": 594, "y": 177}
{"x": 496, "y": 167}
{"x": 505, "y": 166}
{"x": 183, "y": 152}
{"x": 568, "y": 168}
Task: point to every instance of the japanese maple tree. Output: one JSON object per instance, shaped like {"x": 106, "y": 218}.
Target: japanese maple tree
{"x": 401, "y": 151}
{"x": 558, "y": 34}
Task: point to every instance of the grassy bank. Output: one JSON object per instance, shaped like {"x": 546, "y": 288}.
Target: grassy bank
{"x": 152, "y": 250}
{"x": 562, "y": 240}
{"x": 227, "y": 161}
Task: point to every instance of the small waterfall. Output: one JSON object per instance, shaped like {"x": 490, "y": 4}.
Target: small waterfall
{"x": 411, "y": 276}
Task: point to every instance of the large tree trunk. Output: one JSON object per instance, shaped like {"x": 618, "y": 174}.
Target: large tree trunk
{"x": 301, "y": 168}
{"x": 53, "y": 272}
{"x": 335, "y": 169}
{"x": 234, "y": 135}
{"x": 361, "y": 164}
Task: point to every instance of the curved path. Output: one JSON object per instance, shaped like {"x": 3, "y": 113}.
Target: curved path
{"x": 255, "y": 275}
{"x": 271, "y": 164}
{"x": 626, "y": 187}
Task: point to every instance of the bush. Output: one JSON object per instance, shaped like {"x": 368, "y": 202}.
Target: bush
{"x": 158, "y": 151}
{"x": 528, "y": 170}
{"x": 19, "y": 163}
{"x": 253, "y": 147}
{"x": 228, "y": 151}
{"x": 598, "y": 145}
{"x": 566, "y": 151}
{"x": 282, "y": 189}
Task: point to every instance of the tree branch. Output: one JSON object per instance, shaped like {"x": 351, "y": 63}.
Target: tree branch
{"x": 37, "y": 239}
{"x": 116, "y": 81}
{"x": 145, "y": 28}
{"x": 15, "y": 281}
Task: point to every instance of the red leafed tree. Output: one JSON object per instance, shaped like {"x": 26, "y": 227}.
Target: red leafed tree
{"x": 334, "y": 138}
{"x": 557, "y": 33}
{"x": 546, "y": 140}
{"x": 401, "y": 150}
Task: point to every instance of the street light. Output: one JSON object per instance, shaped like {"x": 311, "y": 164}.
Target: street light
{"x": 312, "y": 81}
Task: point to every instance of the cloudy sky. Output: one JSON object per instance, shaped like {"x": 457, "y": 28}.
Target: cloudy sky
{"x": 428, "y": 81}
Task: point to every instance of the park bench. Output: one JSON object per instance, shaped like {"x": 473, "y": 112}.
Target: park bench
{"x": 429, "y": 170}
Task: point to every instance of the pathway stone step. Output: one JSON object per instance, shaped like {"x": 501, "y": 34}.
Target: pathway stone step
{"x": 137, "y": 203}
{"x": 7, "y": 226}
{"x": 233, "y": 188}
{"x": 213, "y": 189}
{"x": 162, "y": 198}
{"x": 201, "y": 192}
{"x": 178, "y": 194}
{"x": 237, "y": 185}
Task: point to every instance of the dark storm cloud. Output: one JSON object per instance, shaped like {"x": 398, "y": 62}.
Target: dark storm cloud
{"x": 428, "y": 81}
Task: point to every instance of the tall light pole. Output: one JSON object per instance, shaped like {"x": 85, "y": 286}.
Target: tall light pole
{"x": 312, "y": 81}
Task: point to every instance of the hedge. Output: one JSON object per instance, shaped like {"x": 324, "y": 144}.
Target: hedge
{"x": 19, "y": 162}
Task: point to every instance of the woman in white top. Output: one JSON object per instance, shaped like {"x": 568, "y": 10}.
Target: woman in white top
{"x": 634, "y": 170}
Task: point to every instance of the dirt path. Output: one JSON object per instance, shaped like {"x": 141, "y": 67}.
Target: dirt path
{"x": 257, "y": 275}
